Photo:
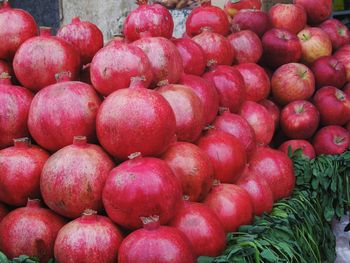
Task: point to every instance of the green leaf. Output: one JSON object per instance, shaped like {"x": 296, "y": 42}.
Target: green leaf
{"x": 205, "y": 260}
{"x": 268, "y": 255}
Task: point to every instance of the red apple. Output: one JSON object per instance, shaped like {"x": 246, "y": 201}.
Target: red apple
{"x": 293, "y": 81}
{"x": 280, "y": 47}
{"x": 246, "y": 45}
{"x": 315, "y": 43}
{"x": 329, "y": 71}
{"x": 338, "y": 33}
{"x": 343, "y": 55}
{"x": 273, "y": 109}
{"x": 232, "y": 7}
{"x": 307, "y": 149}
{"x": 332, "y": 139}
{"x": 317, "y": 10}
{"x": 333, "y": 105}
{"x": 299, "y": 119}
{"x": 257, "y": 82}
{"x": 288, "y": 16}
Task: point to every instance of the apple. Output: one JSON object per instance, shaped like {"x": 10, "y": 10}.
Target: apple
{"x": 273, "y": 109}
{"x": 292, "y": 81}
{"x": 332, "y": 139}
{"x": 343, "y": 55}
{"x": 299, "y": 119}
{"x": 329, "y": 71}
{"x": 317, "y": 10}
{"x": 315, "y": 43}
{"x": 280, "y": 47}
{"x": 288, "y": 16}
{"x": 338, "y": 33}
{"x": 232, "y": 7}
{"x": 257, "y": 82}
{"x": 307, "y": 149}
{"x": 333, "y": 105}
{"x": 246, "y": 45}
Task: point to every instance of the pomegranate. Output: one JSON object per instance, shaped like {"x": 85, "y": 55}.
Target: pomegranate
{"x": 85, "y": 75}
{"x": 128, "y": 113}
{"x": 307, "y": 149}
{"x": 89, "y": 238}
{"x": 232, "y": 7}
{"x": 155, "y": 243}
{"x": 276, "y": 168}
{"x": 5, "y": 68}
{"x": 166, "y": 62}
{"x": 142, "y": 186}
{"x": 226, "y": 153}
{"x": 332, "y": 139}
{"x": 20, "y": 169}
{"x": 16, "y": 26}
{"x": 115, "y": 40}
{"x": 273, "y": 109}
{"x": 31, "y": 231}
{"x": 3, "y": 211}
{"x": 202, "y": 227}
{"x": 207, "y": 94}
{"x": 61, "y": 111}
{"x": 118, "y": 66}
{"x": 148, "y": 21}
{"x": 192, "y": 55}
{"x": 232, "y": 204}
{"x": 188, "y": 109}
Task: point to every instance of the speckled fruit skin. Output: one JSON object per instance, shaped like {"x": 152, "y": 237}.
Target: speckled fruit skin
{"x": 135, "y": 120}
{"x": 332, "y": 139}
{"x": 343, "y": 55}
{"x": 148, "y": 21}
{"x": 85, "y": 36}
{"x": 232, "y": 204}
{"x": 20, "y": 170}
{"x": 338, "y": 33}
{"x": 192, "y": 167}
{"x": 226, "y": 153}
{"x": 273, "y": 109}
{"x": 276, "y": 168}
{"x": 317, "y": 10}
{"x": 308, "y": 150}
{"x": 39, "y": 59}
{"x": 16, "y": 26}
{"x": 143, "y": 186}
{"x": 31, "y": 231}
{"x": 61, "y": 111}
{"x": 117, "y": 66}
{"x": 14, "y": 108}
{"x": 3, "y": 211}
{"x": 166, "y": 62}
{"x": 202, "y": 227}
{"x": 188, "y": 110}
{"x": 89, "y": 238}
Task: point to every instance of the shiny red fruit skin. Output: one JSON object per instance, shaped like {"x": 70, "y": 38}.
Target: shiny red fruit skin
{"x": 14, "y": 108}
{"x": 16, "y": 26}
{"x": 273, "y": 109}
{"x": 118, "y": 66}
{"x": 332, "y": 139}
{"x": 226, "y": 153}
{"x": 276, "y": 168}
{"x": 317, "y": 10}
{"x": 20, "y": 170}
{"x": 232, "y": 7}
{"x": 232, "y": 204}
{"x": 306, "y": 147}
{"x": 30, "y": 231}
{"x": 338, "y": 33}
{"x": 89, "y": 238}
{"x": 61, "y": 111}
{"x": 333, "y": 105}
{"x": 192, "y": 56}
{"x": 3, "y": 211}
{"x": 141, "y": 187}
{"x": 343, "y": 55}
{"x": 148, "y": 20}
{"x": 202, "y": 227}
{"x": 85, "y": 36}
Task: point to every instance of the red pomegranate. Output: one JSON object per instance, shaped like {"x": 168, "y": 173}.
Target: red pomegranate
{"x": 128, "y": 113}
{"x": 3, "y": 211}
{"x": 206, "y": 93}
{"x": 273, "y": 109}
{"x": 61, "y": 111}
{"x": 291, "y": 146}
{"x": 276, "y": 168}
{"x": 30, "y": 231}
{"x": 20, "y": 169}
{"x": 332, "y": 139}
{"x": 155, "y": 243}
{"x": 16, "y": 26}
{"x": 142, "y": 186}
{"x": 118, "y": 66}
{"x": 202, "y": 227}
{"x": 188, "y": 109}
{"x": 73, "y": 178}
{"x": 148, "y": 20}
{"x": 89, "y": 238}
{"x": 115, "y": 40}
{"x": 232, "y": 7}
{"x": 166, "y": 62}
{"x": 232, "y": 204}
{"x": 192, "y": 55}
{"x": 226, "y": 153}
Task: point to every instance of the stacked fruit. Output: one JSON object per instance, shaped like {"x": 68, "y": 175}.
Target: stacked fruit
{"x": 170, "y": 140}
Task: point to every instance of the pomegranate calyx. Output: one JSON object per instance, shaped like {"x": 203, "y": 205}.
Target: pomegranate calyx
{"x": 34, "y": 203}
{"x": 151, "y": 222}
{"x": 76, "y": 19}
{"x": 89, "y": 212}
{"x": 338, "y": 140}
{"x": 80, "y": 140}
{"x": 134, "y": 155}
{"x": 141, "y": 2}
{"x": 22, "y": 142}
{"x": 63, "y": 76}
